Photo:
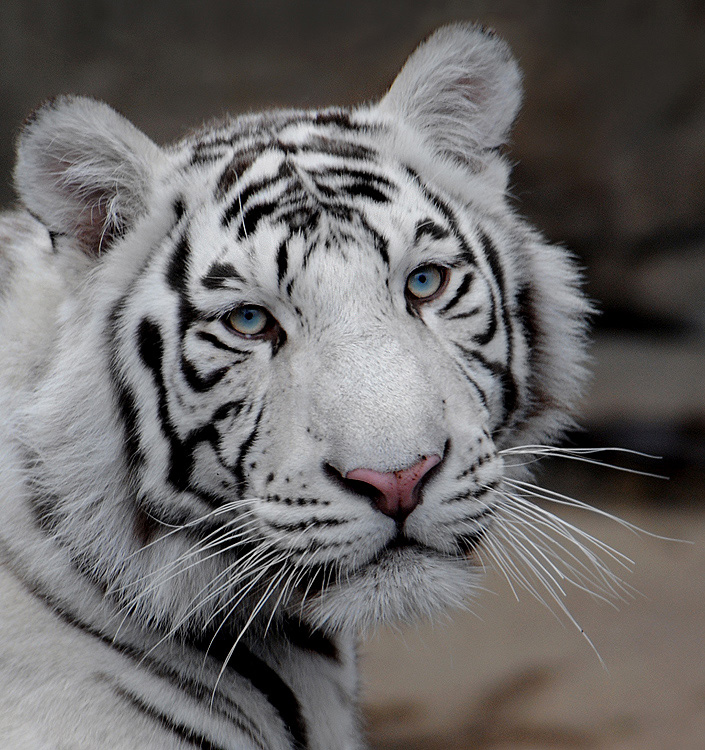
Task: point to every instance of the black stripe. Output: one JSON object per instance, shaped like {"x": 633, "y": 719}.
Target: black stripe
{"x": 381, "y": 243}
{"x": 429, "y": 228}
{"x": 282, "y": 261}
{"x": 219, "y": 274}
{"x": 467, "y": 314}
{"x": 206, "y": 155}
{"x": 459, "y": 294}
{"x": 526, "y": 312}
{"x": 179, "y": 208}
{"x": 239, "y": 164}
{"x": 303, "y": 636}
{"x": 339, "y": 118}
{"x": 44, "y": 507}
{"x": 239, "y": 202}
{"x": 263, "y": 678}
{"x": 343, "y": 149}
{"x": 124, "y": 395}
{"x": 252, "y": 216}
{"x": 215, "y": 341}
{"x": 176, "y": 272}
{"x": 151, "y": 351}
{"x": 129, "y": 417}
{"x": 201, "y": 383}
{"x": 238, "y": 471}
{"x": 484, "y": 338}
{"x": 344, "y": 176}
{"x": 366, "y": 190}
{"x": 471, "y": 379}
{"x": 185, "y": 733}
{"x": 538, "y": 399}
{"x": 510, "y": 389}
{"x": 309, "y": 523}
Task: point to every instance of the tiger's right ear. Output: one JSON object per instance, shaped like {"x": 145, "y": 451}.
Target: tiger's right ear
{"x": 84, "y": 171}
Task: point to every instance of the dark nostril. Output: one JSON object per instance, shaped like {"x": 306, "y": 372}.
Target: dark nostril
{"x": 359, "y": 488}
{"x": 394, "y": 493}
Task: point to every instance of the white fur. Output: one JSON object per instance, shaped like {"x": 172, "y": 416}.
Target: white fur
{"x": 125, "y": 428}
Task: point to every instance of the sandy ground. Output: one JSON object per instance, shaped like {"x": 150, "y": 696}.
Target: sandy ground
{"x": 509, "y": 675}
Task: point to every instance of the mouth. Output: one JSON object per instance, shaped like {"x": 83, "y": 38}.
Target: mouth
{"x": 399, "y": 550}
{"x": 401, "y": 544}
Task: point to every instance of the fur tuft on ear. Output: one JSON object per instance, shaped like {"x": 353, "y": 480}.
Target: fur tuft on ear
{"x": 461, "y": 89}
{"x": 84, "y": 171}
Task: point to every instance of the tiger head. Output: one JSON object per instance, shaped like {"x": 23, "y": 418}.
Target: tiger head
{"x": 294, "y": 347}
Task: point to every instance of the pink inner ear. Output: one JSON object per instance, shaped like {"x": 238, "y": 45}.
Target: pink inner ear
{"x": 95, "y": 228}
{"x": 474, "y": 89}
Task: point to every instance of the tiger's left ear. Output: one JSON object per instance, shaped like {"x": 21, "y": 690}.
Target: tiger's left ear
{"x": 84, "y": 170}
{"x": 460, "y": 89}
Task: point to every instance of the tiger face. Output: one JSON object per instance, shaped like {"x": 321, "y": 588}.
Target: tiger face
{"x": 309, "y": 336}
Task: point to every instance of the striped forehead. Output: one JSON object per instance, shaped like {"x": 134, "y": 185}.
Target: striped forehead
{"x": 309, "y": 187}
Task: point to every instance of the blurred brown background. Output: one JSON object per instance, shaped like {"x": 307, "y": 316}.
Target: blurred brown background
{"x": 610, "y": 152}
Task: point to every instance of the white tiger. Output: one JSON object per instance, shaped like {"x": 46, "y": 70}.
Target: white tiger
{"x": 260, "y": 390}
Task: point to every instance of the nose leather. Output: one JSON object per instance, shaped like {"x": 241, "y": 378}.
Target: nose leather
{"x": 398, "y": 490}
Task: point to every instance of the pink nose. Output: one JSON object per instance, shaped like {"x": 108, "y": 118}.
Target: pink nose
{"x": 398, "y": 490}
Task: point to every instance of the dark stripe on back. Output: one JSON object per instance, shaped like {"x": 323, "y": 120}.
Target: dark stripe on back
{"x": 366, "y": 190}
{"x": 340, "y": 148}
{"x": 339, "y": 118}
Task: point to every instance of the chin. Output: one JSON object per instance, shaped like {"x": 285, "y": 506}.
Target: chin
{"x": 401, "y": 585}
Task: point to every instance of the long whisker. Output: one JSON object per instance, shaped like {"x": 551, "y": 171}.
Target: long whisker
{"x": 255, "y": 611}
{"x": 176, "y": 528}
{"x": 581, "y": 454}
{"x": 561, "y": 499}
{"x": 505, "y": 536}
{"x": 592, "y": 577}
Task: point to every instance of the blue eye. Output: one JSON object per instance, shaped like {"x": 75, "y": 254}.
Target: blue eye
{"x": 249, "y": 320}
{"x": 426, "y": 282}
